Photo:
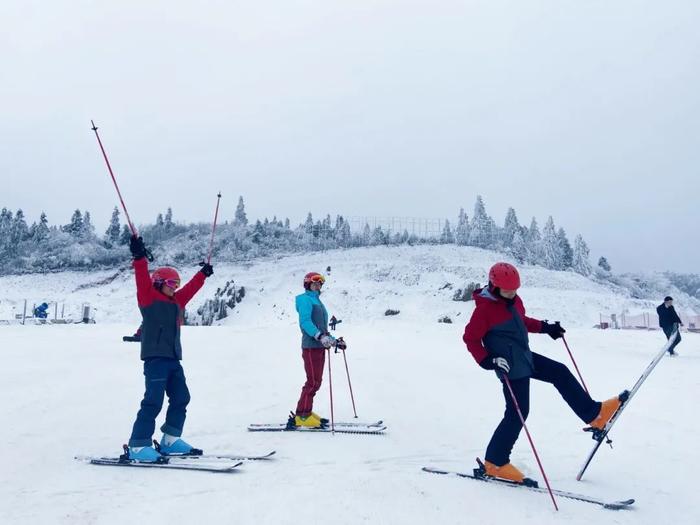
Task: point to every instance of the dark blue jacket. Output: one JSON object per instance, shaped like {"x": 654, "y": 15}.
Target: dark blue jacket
{"x": 499, "y": 328}
{"x": 162, "y": 315}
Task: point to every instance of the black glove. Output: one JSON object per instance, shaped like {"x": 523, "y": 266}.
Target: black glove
{"x": 496, "y": 363}
{"x": 207, "y": 269}
{"x": 138, "y": 249}
{"x": 555, "y": 331}
{"x": 340, "y": 343}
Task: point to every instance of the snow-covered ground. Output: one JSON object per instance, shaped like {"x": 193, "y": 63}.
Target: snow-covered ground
{"x": 71, "y": 390}
{"x": 75, "y": 389}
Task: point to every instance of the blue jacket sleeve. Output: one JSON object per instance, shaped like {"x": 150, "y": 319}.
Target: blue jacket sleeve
{"x": 304, "y": 308}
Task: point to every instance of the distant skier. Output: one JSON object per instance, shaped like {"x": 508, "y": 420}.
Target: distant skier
{"x": 334, "y": 322}
{"x": 313, "y": 321}
{"x": 669, "y": 321}
{"x": 41, "y": 311}
{"x": 497, "y": 337}
{"x": 162, "y": 307}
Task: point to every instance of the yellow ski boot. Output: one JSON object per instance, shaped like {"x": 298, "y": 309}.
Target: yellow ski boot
{"x": 310, "y": 421}
{"x": 323, "y": 420}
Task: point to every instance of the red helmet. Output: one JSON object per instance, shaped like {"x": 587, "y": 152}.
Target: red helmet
{"x": 504, "y": 276}
{"x": 164, "y": 274}
{"x": 313, "y": 277}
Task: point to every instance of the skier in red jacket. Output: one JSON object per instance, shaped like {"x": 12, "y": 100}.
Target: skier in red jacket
{"x": 497, "y": 337}
{"x": 162, "y": 303}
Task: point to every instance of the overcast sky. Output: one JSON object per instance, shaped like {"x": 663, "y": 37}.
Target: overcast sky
{"x": 585, "y": 110}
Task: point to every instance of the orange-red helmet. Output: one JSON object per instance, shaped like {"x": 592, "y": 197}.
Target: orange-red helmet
{"x": 504, "y": 276}
{"x": 165, "y": 275}
{"x": 313, "y": 277}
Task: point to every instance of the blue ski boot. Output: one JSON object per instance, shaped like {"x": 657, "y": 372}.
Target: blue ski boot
{"x": 175, "y": 446}
{"x": 145, "y": 455}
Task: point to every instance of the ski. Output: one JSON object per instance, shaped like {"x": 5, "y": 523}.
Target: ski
{"x": 612, "y": 505}
{"x": 239, "y": 457}
{"x": 199, "y": 454}
{"x": 167, "y": 463}
{"x": 602, "y": 435}
{"x": 356, "y": 428}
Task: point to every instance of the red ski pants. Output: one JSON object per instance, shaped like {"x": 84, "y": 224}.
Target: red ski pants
{"x": 314, "y": 359}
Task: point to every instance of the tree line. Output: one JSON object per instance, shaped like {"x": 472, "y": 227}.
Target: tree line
{"x": 76, "y": 245}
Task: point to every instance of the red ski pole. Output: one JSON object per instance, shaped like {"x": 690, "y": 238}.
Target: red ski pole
{"x": 522, "y": 420}
{"x": 330, "y": 389}
{"x": 574, "y": 362}
{"x": 347, "y": 371}
{"x": 213, "y": 228}
{"x": 114, "y": 180}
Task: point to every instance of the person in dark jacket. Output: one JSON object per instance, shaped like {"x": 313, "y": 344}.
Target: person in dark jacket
{"x": 313, "y": 322}
{"x": 497, "y": 338}
{"x": 669, "y": 322}
{"x": 162, "y": 306}
{"x": 334, "y": 322}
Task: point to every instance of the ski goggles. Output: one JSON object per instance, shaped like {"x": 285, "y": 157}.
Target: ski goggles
{"x": 317, "y": 279}
{"x": 172, "y": 283}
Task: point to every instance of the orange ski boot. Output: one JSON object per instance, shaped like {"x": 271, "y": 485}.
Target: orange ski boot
{"x": 507, "y": 472}
{"x": 607, "y": 411}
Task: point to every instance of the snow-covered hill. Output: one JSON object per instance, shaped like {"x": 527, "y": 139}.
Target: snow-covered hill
{"x": 419, "y": 281}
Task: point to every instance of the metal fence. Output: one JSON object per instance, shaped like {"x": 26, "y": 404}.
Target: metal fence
{"x": 645, "y": 321}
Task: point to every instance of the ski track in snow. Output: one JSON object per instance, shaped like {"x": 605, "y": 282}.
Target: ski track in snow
{"x": 75, "y": 389}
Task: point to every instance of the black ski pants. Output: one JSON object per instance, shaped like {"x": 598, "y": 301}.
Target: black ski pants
{"x": 549, "y": 371}
{"x": 668, "y": 330}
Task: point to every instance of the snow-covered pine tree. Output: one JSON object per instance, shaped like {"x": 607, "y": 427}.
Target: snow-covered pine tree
{"x": 168, "y": 221}
{"x": 462, "y": 229}
{"x": 309, "y": 224}
{"x": 533, "y": 240}
{"x": 125, "y": 236}
{"x": 518, "y": 247}
{"x": 240, "y": 219}
{"x": 20, "y": 230}
{"x": 75, "y": 226}
{"x": 481, "y": 232}
{"x": 551, "y": 250}
{"x": 342, "y": 232}
{"x": 604, "y": 264}
{"x": 326, "y": 228}
{"x": 5, "y": 228}
{"x": 258, "y": 232}
{"x": 41, "y": 231}
{"x": 112, "y": 232}
{"x": 377, "y": 237}
{"x": 447, "y": 237}
{"x": 88, "y": 228}
{"x": 510, "y": 227}
{"x": 567, "y": 257}
{"x": 366, "y": 234}
{"x": 581, "y": 263}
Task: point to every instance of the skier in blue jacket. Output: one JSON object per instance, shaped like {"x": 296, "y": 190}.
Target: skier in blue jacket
{"x": 313, "y": 321}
